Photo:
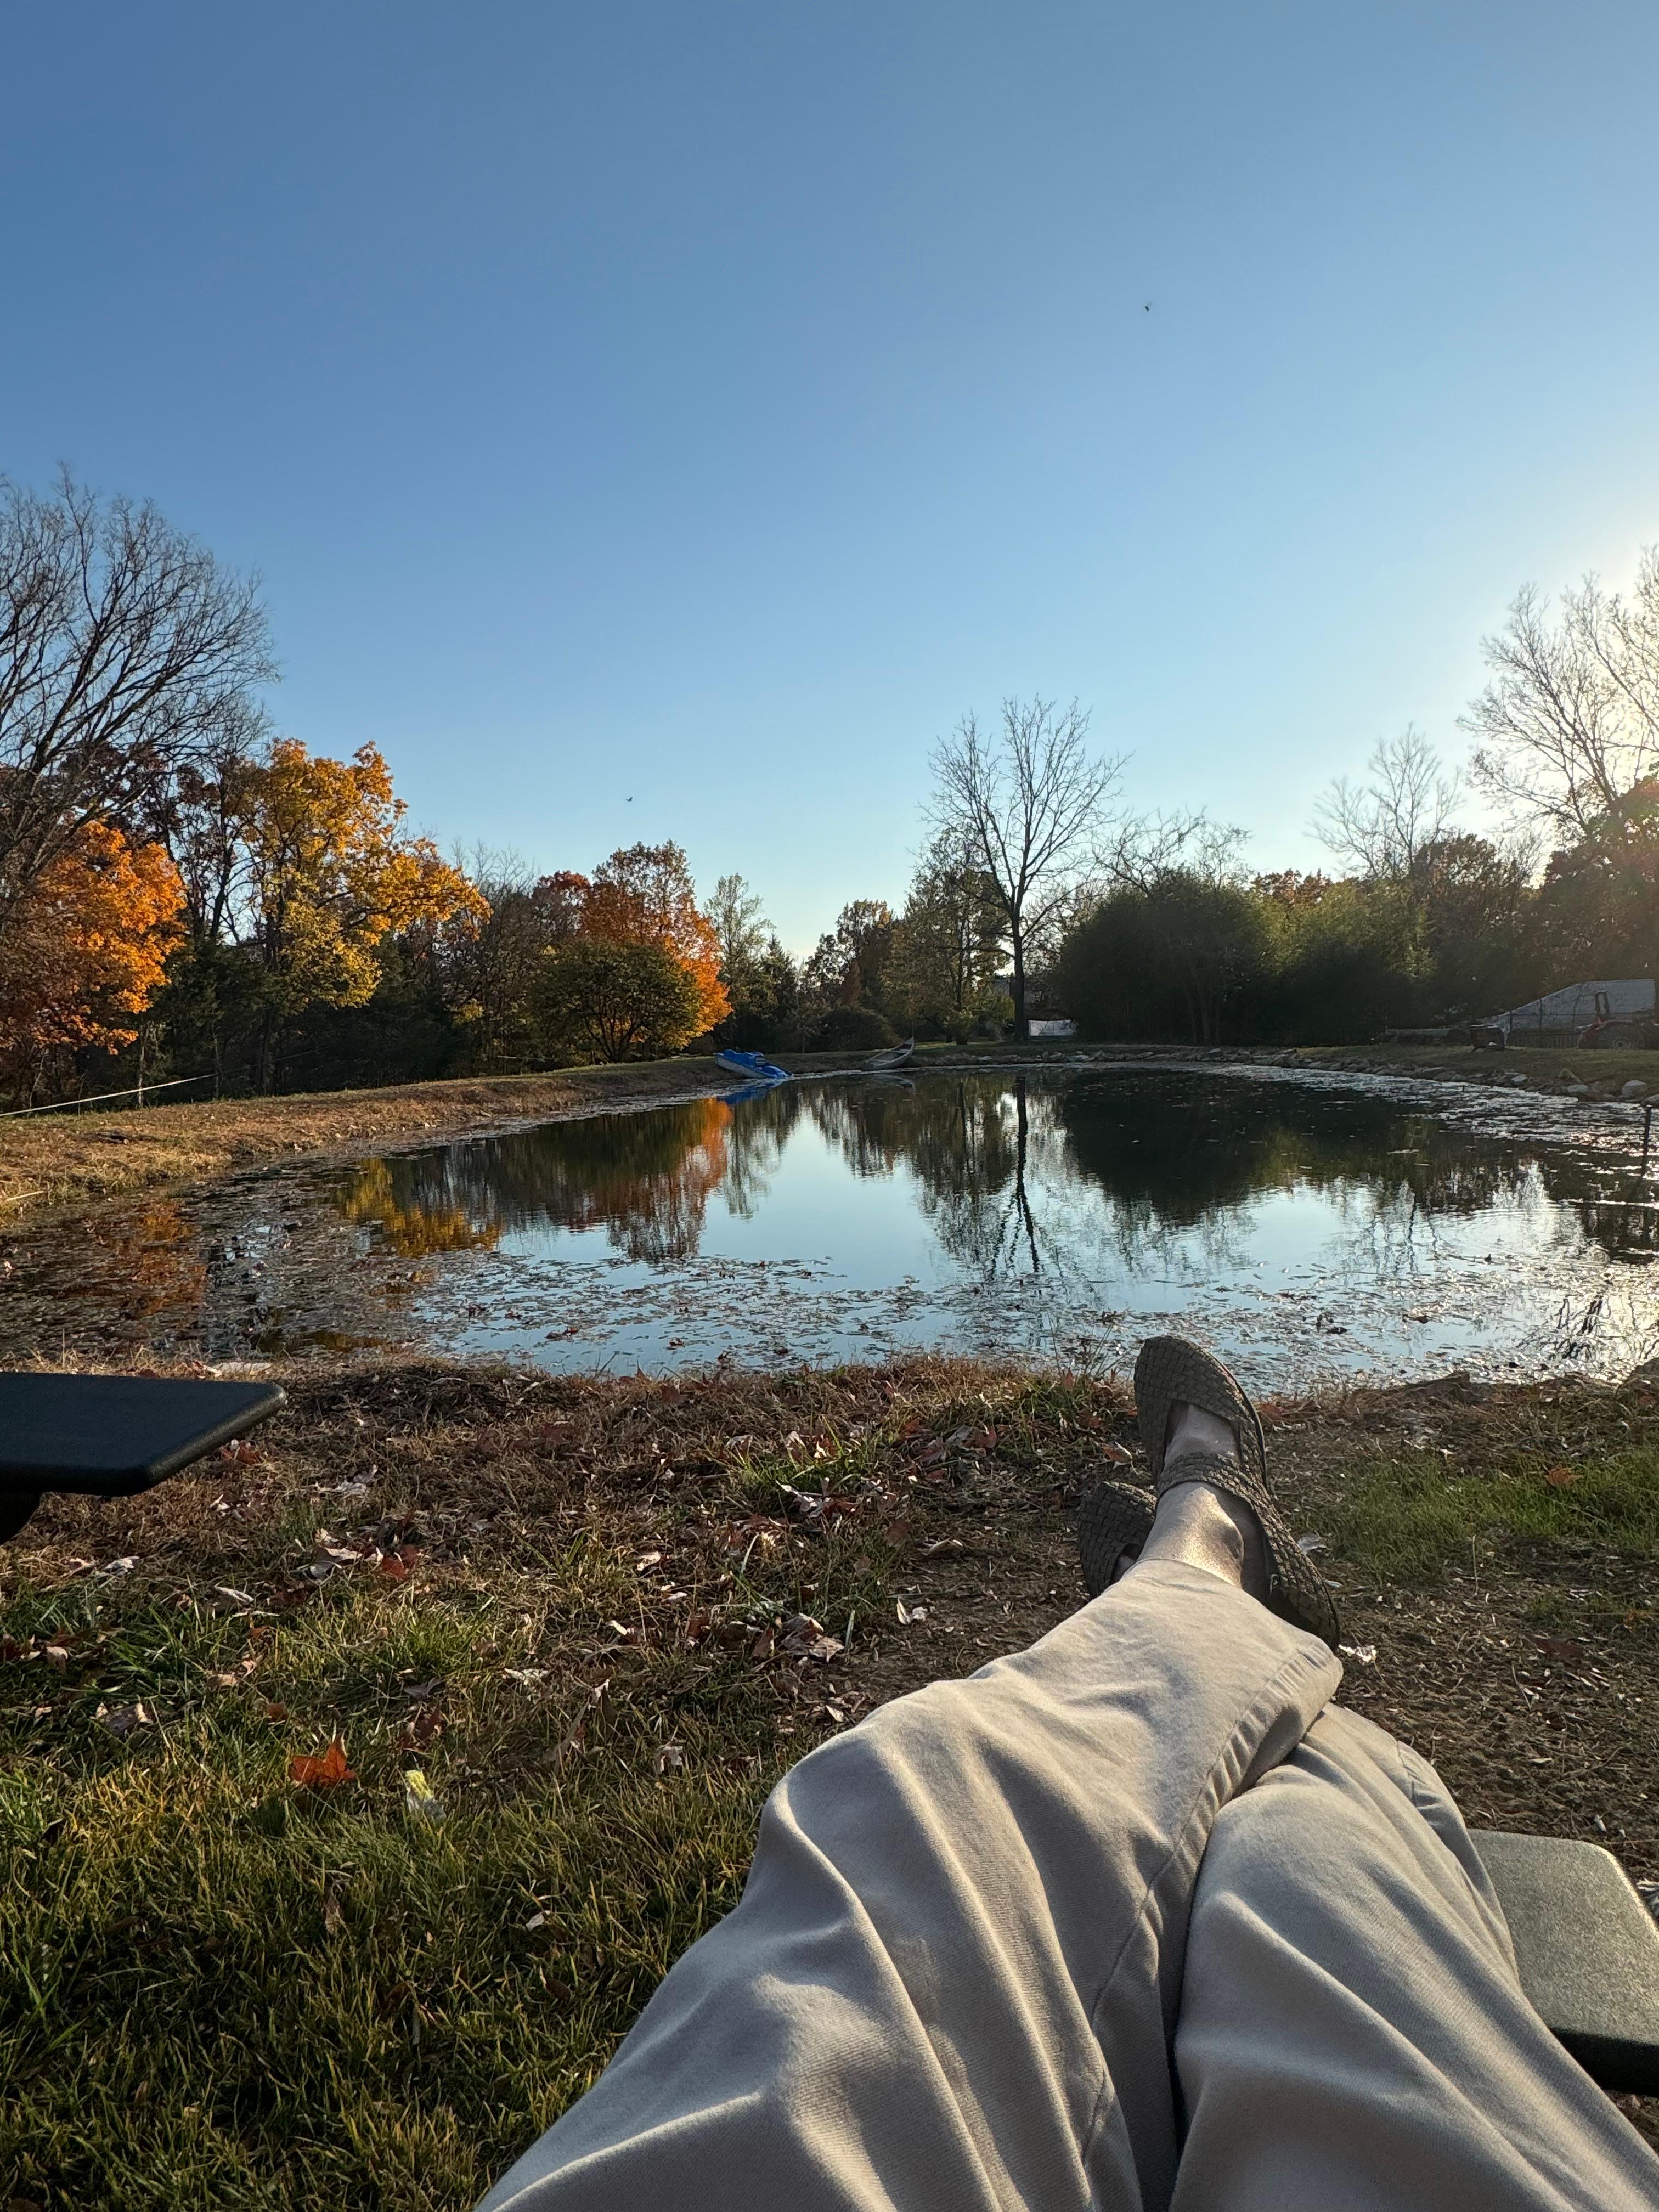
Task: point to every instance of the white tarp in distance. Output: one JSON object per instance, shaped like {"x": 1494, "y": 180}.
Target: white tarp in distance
{"x": 1573, "y": 1007}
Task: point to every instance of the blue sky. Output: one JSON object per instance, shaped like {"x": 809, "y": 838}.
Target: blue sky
{"x": 662, "y": 420}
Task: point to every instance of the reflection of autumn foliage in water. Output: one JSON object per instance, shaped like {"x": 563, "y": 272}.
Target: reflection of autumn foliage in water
{"x": 644, "y": 1178}
{"x": 650, "y": 1202}
{"x": 156, "y": 1257}
{"x": 410, "y": 1230}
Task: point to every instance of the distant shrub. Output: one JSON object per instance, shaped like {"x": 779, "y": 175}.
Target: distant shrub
{"x": 856, "y": 1028}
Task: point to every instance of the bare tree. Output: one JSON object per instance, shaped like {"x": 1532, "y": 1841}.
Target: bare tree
{"x": 1027, "y": 805}
{"x": 1149, "y": 849}
{"x": 1382, "y": 826}
{"x": 740, "y": 918}
{"x": 1569, "y": 722}
{"x": 125, "y": 650}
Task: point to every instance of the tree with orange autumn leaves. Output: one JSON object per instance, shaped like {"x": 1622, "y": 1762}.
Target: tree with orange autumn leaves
{"x": 85, "y": 954}
{"x": 639, "y": 974}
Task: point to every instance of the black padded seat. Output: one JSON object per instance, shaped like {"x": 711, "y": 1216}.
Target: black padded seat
{"x": 110, "y": 1436}
{"x": 1587, "y": 1949}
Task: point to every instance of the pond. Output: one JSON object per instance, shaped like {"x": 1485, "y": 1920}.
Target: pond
{"x": 1309, "y": 1227}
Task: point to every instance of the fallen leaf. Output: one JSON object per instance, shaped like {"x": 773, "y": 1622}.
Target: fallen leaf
{"x": 1309, "y": 1545}
{"x": 239, "y": 1452}
{"x": 423, "y": 1730}
{"x": 237, "y": 1597}
{"x": 394, "y": 1568}
{"x": 536, "y": 1920}
{"x": 647, "y": 1559}
{"x": 274, "y": 1710}
{"x": 122, "y": 1720}
{"x": 668, "y": 1755}
{"x": 422, "y": 1693}
{"x": 1559, "y": 1477}
{"x": 56, "y": 1658}
{"x": 326, "y": 1772}
{"x": 1118, "y": 1455}
{"x": 1362, "y": 1655}
{"x": 333, "y": 1913}
{"x": 120, "y": 1566}
{"x": 910, "y": 1614}
{"x": 419, "y": 1796}
{"x": 1561, "y": 1647}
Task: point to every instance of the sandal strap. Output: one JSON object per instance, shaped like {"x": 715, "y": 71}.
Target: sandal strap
{"x": 1296, "y": 1588}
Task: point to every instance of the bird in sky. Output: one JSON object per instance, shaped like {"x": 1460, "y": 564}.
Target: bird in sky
{"x": 1147, "y": 309}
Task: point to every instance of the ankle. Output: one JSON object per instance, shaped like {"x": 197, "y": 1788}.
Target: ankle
{"x": 1193, "y": 1431}
{"x": 1199, "y": 1526}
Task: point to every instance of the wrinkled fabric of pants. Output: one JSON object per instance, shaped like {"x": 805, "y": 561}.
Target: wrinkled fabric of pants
{"x": 1135, "y": 1919}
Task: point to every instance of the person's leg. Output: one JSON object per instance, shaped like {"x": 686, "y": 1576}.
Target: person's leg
{"x": 952, "y": 1978}
{"x": 1352, "y": 2032}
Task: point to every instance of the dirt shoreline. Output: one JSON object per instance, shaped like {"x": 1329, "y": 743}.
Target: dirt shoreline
{"x": 59, "y": 1161}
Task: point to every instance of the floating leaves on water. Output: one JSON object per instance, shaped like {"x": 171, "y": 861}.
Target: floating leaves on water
{"x": 327, "y": 1772}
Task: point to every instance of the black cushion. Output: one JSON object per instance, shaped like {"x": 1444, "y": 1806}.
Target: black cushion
{"x": 115, "y": 1434}
{"x": 1588, "y": 1950}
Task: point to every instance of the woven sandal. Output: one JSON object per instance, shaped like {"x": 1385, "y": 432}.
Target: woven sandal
{"x": 1173, "y": 1370}
{"x": 1115, "y": 1518}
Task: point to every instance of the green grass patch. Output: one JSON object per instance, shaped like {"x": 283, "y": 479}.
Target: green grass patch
{"x": 1411, "y": 1517}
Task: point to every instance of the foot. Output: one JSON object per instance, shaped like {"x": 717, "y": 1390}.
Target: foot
{"x": 1194, "y": 1522}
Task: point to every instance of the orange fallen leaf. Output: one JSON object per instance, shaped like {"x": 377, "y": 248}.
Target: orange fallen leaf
{"x": 325, "y": 1774}
{"x": 274, "y": 1709}
{"x": 1559, "y": 1477}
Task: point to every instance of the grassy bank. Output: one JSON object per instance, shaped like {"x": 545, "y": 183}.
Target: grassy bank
{"x": 596, "y": 1620}
{"x": 59, "y": 1159}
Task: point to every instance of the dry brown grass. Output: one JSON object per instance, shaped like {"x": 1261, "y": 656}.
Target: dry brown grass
{"x": 52, "y": 1160}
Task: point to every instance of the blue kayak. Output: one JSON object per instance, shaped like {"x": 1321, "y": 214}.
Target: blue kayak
{"x": 753, "y": 1066}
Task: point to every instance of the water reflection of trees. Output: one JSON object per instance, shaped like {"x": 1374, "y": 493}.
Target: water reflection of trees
{"x": 1010, "y": 1172}
{"x": 644, "y": 1178}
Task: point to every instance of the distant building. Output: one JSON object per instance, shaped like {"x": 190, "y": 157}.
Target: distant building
{"x": 1561, "y": 1016}
{"x": 1051, "y": 1029}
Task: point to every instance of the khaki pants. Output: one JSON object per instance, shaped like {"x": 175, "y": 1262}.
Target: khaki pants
{"x": 1133, "y": 1919}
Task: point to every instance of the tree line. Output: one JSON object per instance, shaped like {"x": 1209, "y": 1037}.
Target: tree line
{"x": 184, "y": 893}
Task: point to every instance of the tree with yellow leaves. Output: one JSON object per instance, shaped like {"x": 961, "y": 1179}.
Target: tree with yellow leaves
{"x": 324, "y": 872}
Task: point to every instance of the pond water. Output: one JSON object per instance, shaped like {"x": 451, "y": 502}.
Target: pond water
{"x": 1309, "y": 1227}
